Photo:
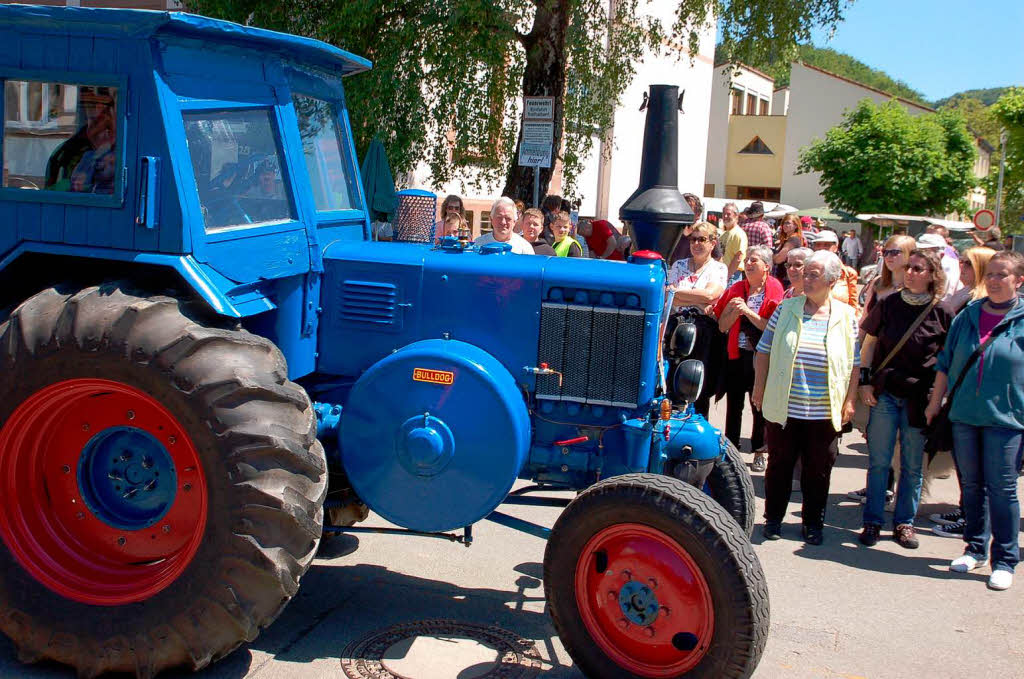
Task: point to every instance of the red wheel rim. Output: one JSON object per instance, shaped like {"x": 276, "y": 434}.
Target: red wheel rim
{"x": 644, "y": 601}
{"x": 48, "y": 525}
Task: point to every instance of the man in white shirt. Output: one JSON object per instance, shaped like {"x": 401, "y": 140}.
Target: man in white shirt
{"x": 851, "y": 249}
{"x": 950, "y": 265}
{"x": 503, "y": 219}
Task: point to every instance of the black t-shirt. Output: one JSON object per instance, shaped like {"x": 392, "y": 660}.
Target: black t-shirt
{"x": 890, "y": 319}
{"x": 542, "y": 248}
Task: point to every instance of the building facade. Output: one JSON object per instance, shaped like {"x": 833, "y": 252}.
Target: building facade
{"x": 745, "y": 139}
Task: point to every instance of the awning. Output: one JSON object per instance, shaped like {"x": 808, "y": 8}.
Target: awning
{"x": 828, "y": 215}
{"x": 902, "y": 220}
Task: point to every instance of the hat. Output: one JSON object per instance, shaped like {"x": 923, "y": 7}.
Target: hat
{"x": 806, "y": 220}
{"x": 826, "y": 236}
{"x": 930, "y": 240}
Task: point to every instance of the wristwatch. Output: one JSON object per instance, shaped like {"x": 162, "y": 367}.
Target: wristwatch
{"x": 865, "y": 376}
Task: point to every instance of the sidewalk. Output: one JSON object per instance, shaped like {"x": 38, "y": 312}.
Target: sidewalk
{"x": 838, "y": 611}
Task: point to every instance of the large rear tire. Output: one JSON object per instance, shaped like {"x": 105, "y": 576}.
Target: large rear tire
{"x": 172, "y": 469}
{"x": 732, "y": 487}
{"x": 646, "y": 576}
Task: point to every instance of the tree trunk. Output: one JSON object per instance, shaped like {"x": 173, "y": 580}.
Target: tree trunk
{"x": 544, "y": 76}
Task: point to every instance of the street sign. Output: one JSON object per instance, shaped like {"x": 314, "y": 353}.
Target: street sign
{"x": 538, "y": 132}
{"x": 535, "y": 155}
{"x": 984, "y": 220}
{"x": 538, "y": 108}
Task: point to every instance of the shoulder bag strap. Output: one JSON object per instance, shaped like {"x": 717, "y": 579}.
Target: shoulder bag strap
{"x": 906, "y": 336}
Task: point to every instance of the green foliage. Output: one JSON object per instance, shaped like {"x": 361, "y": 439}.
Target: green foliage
{"x": 1009, "y": 113}
{"x": 449, "y": 75}
{"x": 829, "y": 60}
{"x": 978, "y": 115}
{"x": 882, "y": 159}
{"x": 986, "y": 96}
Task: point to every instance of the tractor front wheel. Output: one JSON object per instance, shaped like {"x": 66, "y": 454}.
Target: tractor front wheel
{"x": 161, "y": 484}
{"x": 646, "y": 576}
{"x": 732, "y": 487}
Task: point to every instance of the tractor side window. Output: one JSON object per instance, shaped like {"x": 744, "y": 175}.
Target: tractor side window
{"x": 237, "y": 163}
{"x": 60, "y": 137}
{"x": 322, "y": 149}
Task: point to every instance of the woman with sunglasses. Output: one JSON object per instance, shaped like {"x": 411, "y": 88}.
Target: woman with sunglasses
{"x": 987, "y": 413}
{"x": 743, "y": 312}
{"x": 697, "y": 282}
{"x": 903, "y": 335}
{"x": 895, "y": 253}
{"x": 795, "y": 261}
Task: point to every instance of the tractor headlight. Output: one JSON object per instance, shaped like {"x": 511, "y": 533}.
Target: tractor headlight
{"x": 683, "y": 339}
{"x": 688, "y": 379}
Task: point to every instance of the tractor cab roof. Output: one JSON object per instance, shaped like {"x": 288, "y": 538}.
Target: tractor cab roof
{"x": 145, "y": 24}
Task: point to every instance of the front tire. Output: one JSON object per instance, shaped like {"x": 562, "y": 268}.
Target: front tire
{"x": 732, "y": 487}
{"x": 174, "y": 469}
{"x": 646, "y": 576}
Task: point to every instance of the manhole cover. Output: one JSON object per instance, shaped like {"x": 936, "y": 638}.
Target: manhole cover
{"x": 441, "y": 648}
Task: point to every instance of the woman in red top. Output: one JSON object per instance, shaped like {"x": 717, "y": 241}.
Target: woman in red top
{"x": 743, "y": 312}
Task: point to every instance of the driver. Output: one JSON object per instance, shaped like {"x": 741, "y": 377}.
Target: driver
{"x": 268, "y": 182}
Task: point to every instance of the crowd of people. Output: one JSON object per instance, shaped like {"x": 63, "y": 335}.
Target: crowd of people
{"x": 785, "y": 328}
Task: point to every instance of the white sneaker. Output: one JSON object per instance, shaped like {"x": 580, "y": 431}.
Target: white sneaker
{"x": 964, "y": 563}
{"x": 1000, "y": 580}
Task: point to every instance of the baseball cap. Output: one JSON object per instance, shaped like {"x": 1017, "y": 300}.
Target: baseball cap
{"x": 826, "y": 236}
{"x": 805, "y": 220}
{"x": 930, "y": 240}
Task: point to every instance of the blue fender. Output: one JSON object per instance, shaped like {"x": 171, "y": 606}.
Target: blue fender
{"x": 434, "y": 435}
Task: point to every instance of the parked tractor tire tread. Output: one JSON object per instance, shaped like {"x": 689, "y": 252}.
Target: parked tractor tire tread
{"x": 264, "y": 472}
{"x": 732, "y": 486}
{"x": 703, "y": 529}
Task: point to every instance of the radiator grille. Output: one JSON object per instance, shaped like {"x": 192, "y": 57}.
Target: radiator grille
{"x": 597, "y": 350}
{"x": 368, "y": 302}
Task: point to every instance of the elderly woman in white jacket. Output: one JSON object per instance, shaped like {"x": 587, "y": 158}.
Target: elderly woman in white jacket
{"x": 805, "y": 382}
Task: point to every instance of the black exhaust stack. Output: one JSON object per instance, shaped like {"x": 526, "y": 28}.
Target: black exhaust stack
{"x": 656, "y": 212}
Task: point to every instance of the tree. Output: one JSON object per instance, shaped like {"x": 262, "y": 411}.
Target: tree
{"x": 449, "y": 75}
{"x": 1009, "y": 113}
{"x": 882, "y": 159}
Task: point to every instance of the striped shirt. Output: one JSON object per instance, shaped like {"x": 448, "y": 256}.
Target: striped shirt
{"x": 808, "y": 394}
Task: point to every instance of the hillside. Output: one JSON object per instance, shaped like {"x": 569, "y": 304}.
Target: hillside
{"x": 987, "y": 96}
{"x": 838, "y": 63}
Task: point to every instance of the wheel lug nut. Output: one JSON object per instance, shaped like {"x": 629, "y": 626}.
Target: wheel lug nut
{"x": 66, "y": 469}
{"x": 626, "y": 575}
{"x": 131, "y": 414}
{"x": 623, "y": 623}
{"x": 650, "y": 632}
{"x": 80, "y": 515}
{"x": 166, "y": 528}
{"x": 612, "y": 596}
{"x": 653, "y": 583}
{"x": 121, "y": 540}
{"x": 172, "y": 440}
{"x": 666, "y": 611}
{"x": 187, "y": 487}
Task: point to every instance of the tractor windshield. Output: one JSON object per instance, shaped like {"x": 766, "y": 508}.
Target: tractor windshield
{"x": 236, "y": 158}
{"x": 321, "y": 147}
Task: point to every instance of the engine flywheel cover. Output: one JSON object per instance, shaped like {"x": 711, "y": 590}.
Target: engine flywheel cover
{"x": 434, "y": 435}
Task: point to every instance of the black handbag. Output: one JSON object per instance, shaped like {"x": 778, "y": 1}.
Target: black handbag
{"x": 939, "y": 434}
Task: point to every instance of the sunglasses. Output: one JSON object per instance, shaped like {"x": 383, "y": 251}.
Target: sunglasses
{"x": 893, "y": 252}
{"x": 699, "y": 239}
{"x": 917, "y": 268}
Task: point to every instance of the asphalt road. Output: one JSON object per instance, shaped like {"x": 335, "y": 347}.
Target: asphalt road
{"x": 838, "y": 610}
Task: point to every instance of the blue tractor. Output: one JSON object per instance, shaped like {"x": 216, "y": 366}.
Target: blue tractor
{"x": 203, "y": 355}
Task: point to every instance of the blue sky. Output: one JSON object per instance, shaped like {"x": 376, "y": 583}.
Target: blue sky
{"x": 938, "y": 47}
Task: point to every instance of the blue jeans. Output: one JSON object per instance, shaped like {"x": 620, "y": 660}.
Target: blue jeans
{"x": 988, "y": 459}
{"x": 887, "y": 419}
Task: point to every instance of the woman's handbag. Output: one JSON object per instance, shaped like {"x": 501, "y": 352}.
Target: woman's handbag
{"x": 939, "y": 433}
{"x": 862, "y": 411}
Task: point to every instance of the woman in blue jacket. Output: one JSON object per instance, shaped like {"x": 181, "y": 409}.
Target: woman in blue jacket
{"x": 988, "y": 416}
